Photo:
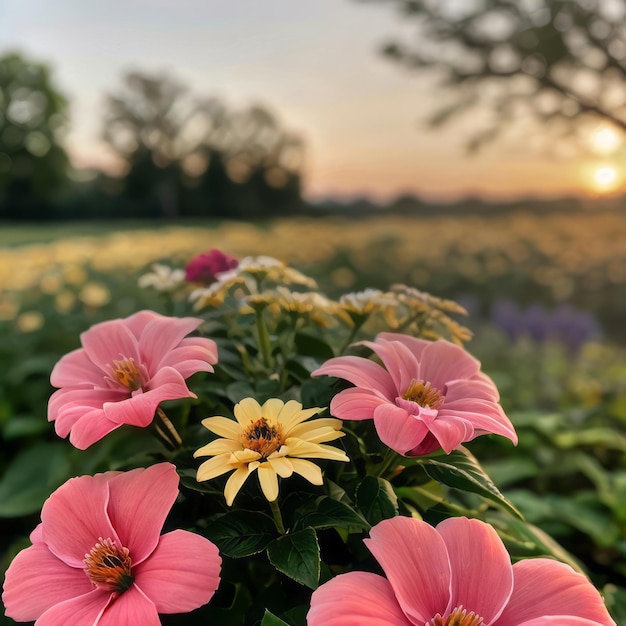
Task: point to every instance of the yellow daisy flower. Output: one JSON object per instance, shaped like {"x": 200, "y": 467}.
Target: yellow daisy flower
{"x": 275, "y": 439}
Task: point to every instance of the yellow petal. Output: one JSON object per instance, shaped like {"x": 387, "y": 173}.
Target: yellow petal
{"x": 293, "y": 414}
{"x": 245, "y": 456}
{"x": 315, "y": 435}
{"x": 216, "y": 466}
{"x": 219, "y": 446}
{"x": 308, "y": 470}
{"x": 234, "y": 484}
{"x": 248, "y": 410}
{"x": 301, "y": 430}
{"x": 281, "y": 465}
{"x": 223, "y": 427}
{"x": 272, "y": 408}
{"x": 268, "y": 481}
{"x": 299, "y": 448}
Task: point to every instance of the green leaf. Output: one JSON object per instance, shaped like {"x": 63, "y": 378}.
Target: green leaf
{"x": 269, "y": 619}
{"x": 461, "y": 470}
{"x": 375, "y": 498}
{"x": 241, "y": 533}
{"x": 32, "y": 476}
{"x": 239, "y": 390}
{"x": 332, "y": 513}
{"x": 297, "y": 555}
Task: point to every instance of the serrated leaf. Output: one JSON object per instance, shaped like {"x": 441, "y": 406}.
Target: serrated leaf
{"x": 376, "y": 499}
{"x": 241, "y": 533}
{"x": 461, "y": 470}
{"x": 332, "y": 513}
{"x": 269, "y": 619}
{"x": 297, "y": 555}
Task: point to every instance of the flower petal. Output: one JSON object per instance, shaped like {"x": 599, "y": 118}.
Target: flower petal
{"x": 82, "y": 610}
{"x": 355, "y": 598}
{"x": 484, "y": 416}
{"x": 223, "y": 427}
{"x": 308, "y": 470}
{"x": 246, "y": 411}
{"x": 108, "y": 341}
{"x": 181, "y": 574}
{"x": 131, "y": 607}
{"x": 194, "y": 354}
{"x": 356, "y": 404}
{"x": 139, "y": 502}
{"x": 399, "y": 361}
{"x": 360, "y": 372}
{"x": 235, "y": 483}
{"x": 451, "y": 431}
{"x": 414, "y": 557}
{"x": 74, "y": 517}
{"x": 481, "y": 388}
{"x": 268, "y": 480}
{"x": 91, "y": 427}
{"x": 475, "y": 547}
{"x": 76, "y": 368}
{"x": 443, "y": 361}
{"x": 543, "y": 587}
{"x": 551, "y": 620}
{"x": 398, "y": 429}
{"x": 37, "y": 580}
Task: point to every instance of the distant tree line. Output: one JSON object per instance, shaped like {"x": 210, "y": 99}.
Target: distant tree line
{"x": 179, "y": 154}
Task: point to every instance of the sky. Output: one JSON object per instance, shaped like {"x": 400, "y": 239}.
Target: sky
{"x": 314, "y": 63}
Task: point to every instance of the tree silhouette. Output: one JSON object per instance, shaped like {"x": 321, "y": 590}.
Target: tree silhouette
{"x": 560, "y": 62}
{"x": 190, "y": 155}
{"x": 33, "y": 164}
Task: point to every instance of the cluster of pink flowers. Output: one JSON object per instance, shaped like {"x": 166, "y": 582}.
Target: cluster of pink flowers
{"x": 98, "y": 557}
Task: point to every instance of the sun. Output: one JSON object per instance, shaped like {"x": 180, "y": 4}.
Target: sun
{"x": 605, "y": 140}
{"x": 606, "y": 178}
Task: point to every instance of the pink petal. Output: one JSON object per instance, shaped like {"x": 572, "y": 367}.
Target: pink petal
{"x": 399, "y": 361}
{"x": 79, "y": 611}
{"x": 482, "y": 576}
{"x": 543, "y": 587}
{"x": 430, "y": 444}
{"x": 108, "y": 341}
{"x": 139, "y": 409}
{"x": 355, "y": 404}
{"x": 74, "y": 517}
{"x": 397, "y": 428}
{"x": 485, "y": 417}
{"x": 360, "y": 372}
{"x": 132, "y": 608}
{"x": 443, "y": 361}
{"x": 560, "y": 620}
{"x": 75, "y": 368}
{"x": 138, "y": 505}
{"x": 162, "y": 335}
{"x": 478, "y": 388}
{"x": 451, "y": 431}
{"x": 414, "y": 558}
{"x": 415, "y": 345}
{"x": 138, "y": 321}
{"x": 355, "y": 598}
{"x": 194, "y": 354}
{"x": 181, "y": 574}
{"x": 91, "y": 427}
{"x": 37, "y": 580}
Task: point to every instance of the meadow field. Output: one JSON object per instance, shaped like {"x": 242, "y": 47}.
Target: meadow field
{"x": 545, "y": 297}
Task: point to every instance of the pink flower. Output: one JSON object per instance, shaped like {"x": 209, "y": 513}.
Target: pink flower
{"x": 98, "y": 558}
{"x": 458, "y": 574}
{"x": 205, "y": 267}
{"x": 427, "y": 394}
{"x": 125, "y": 368}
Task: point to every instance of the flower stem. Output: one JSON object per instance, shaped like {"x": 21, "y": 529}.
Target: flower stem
{"x": 278, "y": 518}
{"x": 264, "y": 338}
{"x": 166, "y": 431}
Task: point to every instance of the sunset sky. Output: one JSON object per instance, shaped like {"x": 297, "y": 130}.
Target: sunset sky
{"x": 315, "y": 64}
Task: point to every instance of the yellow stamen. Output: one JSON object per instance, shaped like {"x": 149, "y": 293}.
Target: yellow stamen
{"x": 109, "y": 567}
{"x": 126, "y": 373}
{"x": 424, "y": 394}
{"x": 458, "y": 617}
{"x": 262, "y": 437}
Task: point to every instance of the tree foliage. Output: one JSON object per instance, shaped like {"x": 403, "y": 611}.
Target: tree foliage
{"x": 190, "y": 155}
{"x": 33, "y": 114}
{"x": 552, "y": 61}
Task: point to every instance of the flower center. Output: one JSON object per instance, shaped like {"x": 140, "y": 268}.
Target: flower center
{"x": 458, "y": 617}
{"x": 109, "y": 567}
{"x": 422, "y": 393}
{"x": 125, "y": 372}
{"x": 262, "y": 437}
